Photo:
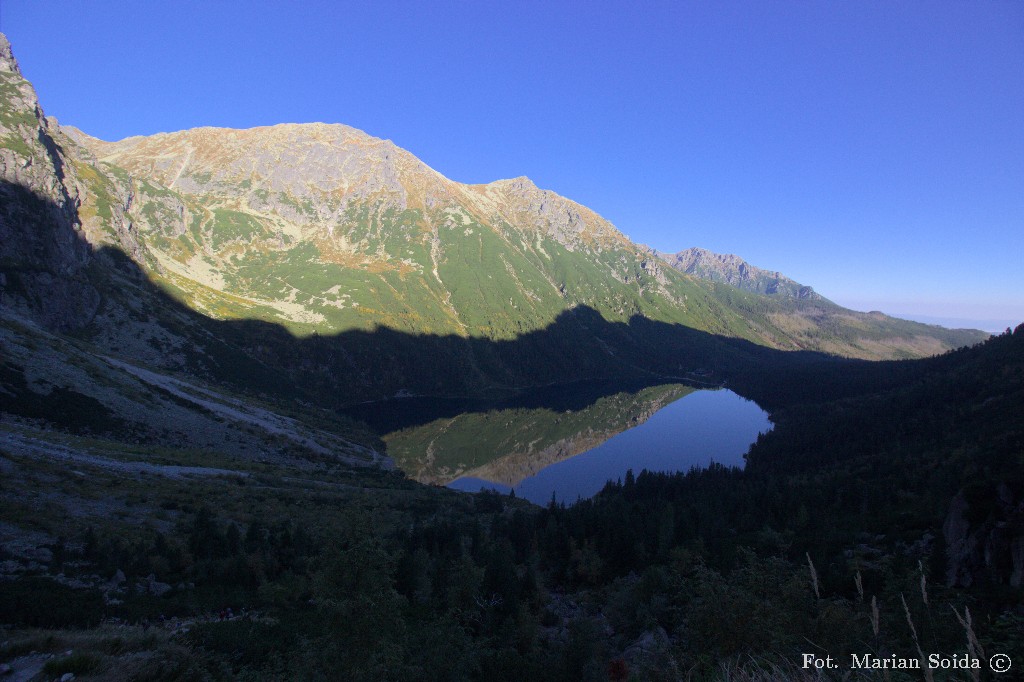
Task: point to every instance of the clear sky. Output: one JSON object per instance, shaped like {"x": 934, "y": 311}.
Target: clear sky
{"x": 874, "y": 150}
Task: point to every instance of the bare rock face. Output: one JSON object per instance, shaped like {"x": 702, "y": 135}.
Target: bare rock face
{"x": 42, "y": 255}
{"x": 987, "y": 550}
{"x": 7, "y": 60}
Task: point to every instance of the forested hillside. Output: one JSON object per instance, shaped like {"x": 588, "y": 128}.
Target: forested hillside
{"x": 847, "y": 510}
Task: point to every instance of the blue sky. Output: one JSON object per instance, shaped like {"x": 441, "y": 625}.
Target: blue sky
{"x": 874, "y": 150}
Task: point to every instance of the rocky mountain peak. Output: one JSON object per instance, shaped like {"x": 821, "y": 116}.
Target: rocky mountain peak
{"x": 300, "y": 170}
{"x": 733, "y": 270}
{"x": 7, "y": 60}
{"x": 22, "y": 104}
{"x": 519, "y": 184}
{"x": 308, "y": 173}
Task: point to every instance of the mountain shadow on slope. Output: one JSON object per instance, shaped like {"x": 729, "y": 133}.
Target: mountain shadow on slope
{"x": 129, "y": 316}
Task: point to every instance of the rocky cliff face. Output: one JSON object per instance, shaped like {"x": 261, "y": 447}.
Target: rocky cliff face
{"x": 42, "y": 259}
{"x": 736, "y": 272}
{"x": 985, "y": 540}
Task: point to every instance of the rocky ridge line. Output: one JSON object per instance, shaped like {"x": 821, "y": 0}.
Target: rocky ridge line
{"x": 737, "y": 272}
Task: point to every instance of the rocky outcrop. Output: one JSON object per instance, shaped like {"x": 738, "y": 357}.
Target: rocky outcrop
{"x": 43, "y": 257}
{"x": 532, "y": 209}
{"x": 985, "y": 538}
{"x": 652, "y": 650}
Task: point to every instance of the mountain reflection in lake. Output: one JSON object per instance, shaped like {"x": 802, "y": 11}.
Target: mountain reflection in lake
{"x": 571, "y": 453}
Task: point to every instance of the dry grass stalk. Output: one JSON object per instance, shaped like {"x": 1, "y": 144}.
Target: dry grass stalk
{"x": 924, "y": 584}
{"x": 814, "y": 577}
{"x": 973, "y": 645}
{"x": 913, "y": 633}
{"x": 874, "y": 615}
{"x": 860, "y": 586}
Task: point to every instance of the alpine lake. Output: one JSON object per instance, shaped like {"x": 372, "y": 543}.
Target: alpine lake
{"x": 565, "y": 442}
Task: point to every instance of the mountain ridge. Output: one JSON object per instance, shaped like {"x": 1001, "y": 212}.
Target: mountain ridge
{"x": 368, "y": 169}
{"x": 327, "y": 233}
{"x": 735, "y": 271}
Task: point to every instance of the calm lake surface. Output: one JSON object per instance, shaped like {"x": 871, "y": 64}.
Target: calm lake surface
{"x": 694, "y": 430}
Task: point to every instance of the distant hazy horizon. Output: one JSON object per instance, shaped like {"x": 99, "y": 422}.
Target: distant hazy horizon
{"x": 993, "y": 326}
{"x": 987, "y": 317}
